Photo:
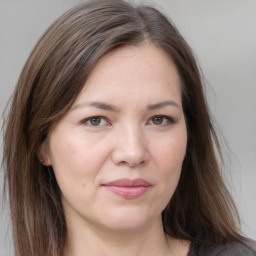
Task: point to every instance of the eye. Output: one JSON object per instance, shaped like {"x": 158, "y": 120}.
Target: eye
{"x": 97, "y": 121}
{"x": 161, "y": 120}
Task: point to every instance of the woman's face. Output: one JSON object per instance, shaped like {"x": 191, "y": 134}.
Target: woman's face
{"x": 117, "y": 154}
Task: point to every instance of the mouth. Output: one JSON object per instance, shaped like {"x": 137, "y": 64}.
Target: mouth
{"x": 127, "y": 188}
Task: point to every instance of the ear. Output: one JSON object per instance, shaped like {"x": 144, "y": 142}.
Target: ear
{"x": 43, "y": 154}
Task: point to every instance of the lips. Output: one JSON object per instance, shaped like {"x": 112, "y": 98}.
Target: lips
{"x": 128, "y": 188}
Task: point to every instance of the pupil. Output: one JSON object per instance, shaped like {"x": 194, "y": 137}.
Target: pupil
{"x": 158, "y": 120}
{"x": 95, "y": 121}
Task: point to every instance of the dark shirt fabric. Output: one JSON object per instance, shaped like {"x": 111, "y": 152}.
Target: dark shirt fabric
{"x": 246, "y": 248}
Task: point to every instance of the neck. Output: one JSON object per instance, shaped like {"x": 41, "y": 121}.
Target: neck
{"x": 96, "y": 241}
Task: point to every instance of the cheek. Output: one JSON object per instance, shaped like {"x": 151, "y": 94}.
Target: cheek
{"x": 170, "y": 154}
{"x": 73, "y": 171}
{"x": 76, "y": 161}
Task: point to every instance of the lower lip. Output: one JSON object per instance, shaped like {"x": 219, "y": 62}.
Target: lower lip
{"x": 128, "y": 192}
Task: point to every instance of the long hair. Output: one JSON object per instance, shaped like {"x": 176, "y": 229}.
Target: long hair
{"x": 51, "y": 80}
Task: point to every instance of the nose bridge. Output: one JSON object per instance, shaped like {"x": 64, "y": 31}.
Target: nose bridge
{"x": 133, "y": 138}
{"x": 131, "y": 146}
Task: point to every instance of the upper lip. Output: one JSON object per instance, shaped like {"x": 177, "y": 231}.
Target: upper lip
{"x": 128, "y": 183}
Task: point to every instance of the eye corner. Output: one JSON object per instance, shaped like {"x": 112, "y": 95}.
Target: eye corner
{"x": 95, "y": 121}
{"x": 161, "y": 120}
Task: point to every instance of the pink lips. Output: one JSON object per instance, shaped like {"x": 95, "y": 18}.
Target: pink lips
{"x": 127, "y": 188}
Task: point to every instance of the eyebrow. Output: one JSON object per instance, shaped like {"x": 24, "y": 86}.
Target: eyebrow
{"x": 97, "y": 104}
{"x": 163, "y": 104}
{"x": 109, "y": 107}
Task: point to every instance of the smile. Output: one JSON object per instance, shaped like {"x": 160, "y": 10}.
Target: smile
{"x": 127, "y": 188}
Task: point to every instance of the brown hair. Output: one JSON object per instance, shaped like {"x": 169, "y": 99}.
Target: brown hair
{"x": 54, "y": 75}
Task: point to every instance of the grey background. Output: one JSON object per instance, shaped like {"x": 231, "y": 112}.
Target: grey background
{"x": 222, "y": 34}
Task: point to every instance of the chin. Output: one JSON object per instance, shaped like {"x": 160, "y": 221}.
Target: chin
{"x": 127, "y": 219}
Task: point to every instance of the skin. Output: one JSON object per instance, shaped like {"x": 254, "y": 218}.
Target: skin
{"x": 128, "y": 122}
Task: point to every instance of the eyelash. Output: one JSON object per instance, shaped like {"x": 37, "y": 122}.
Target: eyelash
{"x": 88, "y": 121}
{"x": 168, "y": 120}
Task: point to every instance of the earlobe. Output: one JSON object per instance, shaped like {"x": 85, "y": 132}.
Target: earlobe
{"x": 43, "y": 155}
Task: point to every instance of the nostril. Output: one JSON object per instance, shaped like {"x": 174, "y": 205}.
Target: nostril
{"x": 120, "y": 158}
{"x": 130, "y": 150}
{"x": 137, "y": 164}
{"x": 138, "y": 161}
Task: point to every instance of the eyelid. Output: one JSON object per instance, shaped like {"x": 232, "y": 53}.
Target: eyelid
{"x": 84, "y": 121}
{"x": 169, "y": 119}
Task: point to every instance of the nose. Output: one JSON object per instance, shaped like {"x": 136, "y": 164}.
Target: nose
{"x": 130, "y": 147}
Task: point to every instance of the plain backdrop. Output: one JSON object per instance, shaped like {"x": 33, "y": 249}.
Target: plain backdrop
{"x": 222, "y": 34}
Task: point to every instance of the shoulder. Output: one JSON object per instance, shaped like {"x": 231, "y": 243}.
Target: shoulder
{"x": 245, "y": 248}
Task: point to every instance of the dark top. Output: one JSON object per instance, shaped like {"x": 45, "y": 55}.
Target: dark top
{"x": 246, "y": 248}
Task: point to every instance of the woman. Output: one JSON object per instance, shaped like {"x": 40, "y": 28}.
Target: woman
{"x": 109, "y": 147}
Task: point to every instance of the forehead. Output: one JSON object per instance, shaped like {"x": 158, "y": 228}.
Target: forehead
{"x": 136, "y": 70}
